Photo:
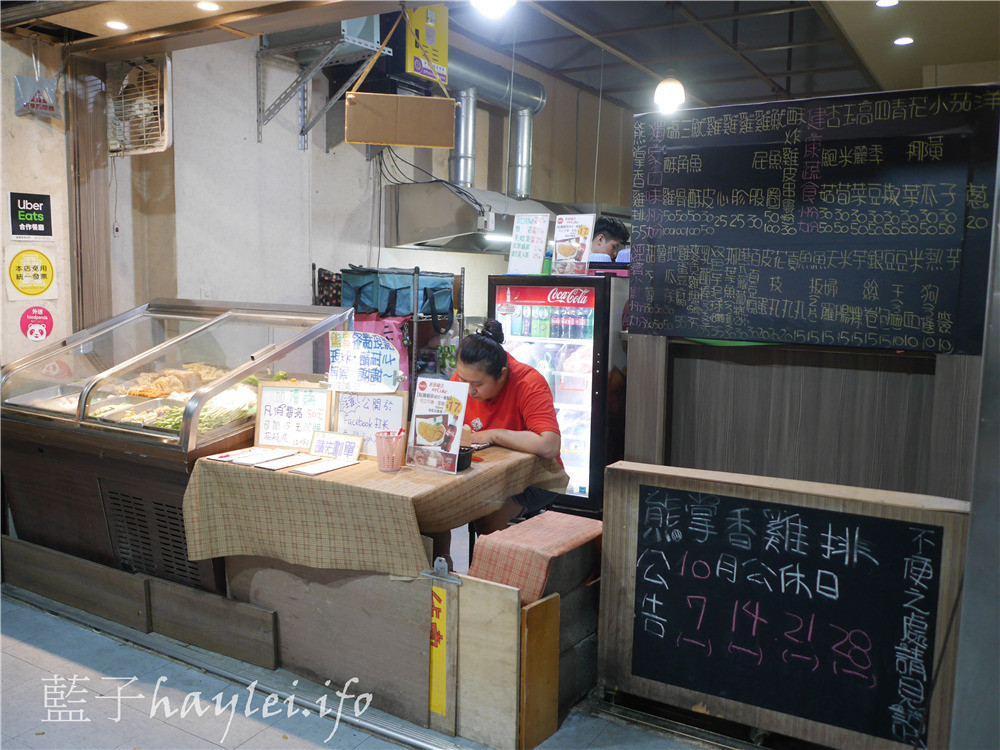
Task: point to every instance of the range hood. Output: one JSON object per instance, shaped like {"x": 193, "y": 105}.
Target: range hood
{"x": 437, "y": 215}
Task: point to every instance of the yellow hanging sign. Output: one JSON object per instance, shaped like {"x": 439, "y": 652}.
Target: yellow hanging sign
{"x": 427, "y": 42}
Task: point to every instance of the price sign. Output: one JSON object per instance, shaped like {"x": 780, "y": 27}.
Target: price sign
{"x": 365, "y": 362}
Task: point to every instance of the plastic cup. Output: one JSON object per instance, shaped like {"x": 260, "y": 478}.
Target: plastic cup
{"x": 390, "y": 447}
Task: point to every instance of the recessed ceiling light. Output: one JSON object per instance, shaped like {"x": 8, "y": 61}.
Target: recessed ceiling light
{"x": 215, "y": 6}
{"x": 886, "y": 3}
{"x": 903, "y": 41}
{"x": 117, "y": 25}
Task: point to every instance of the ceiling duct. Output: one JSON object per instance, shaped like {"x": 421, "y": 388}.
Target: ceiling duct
{"x": 475, "y": 79}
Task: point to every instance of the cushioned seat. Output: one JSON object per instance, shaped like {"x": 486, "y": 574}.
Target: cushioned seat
{"x": 522, "y": 555}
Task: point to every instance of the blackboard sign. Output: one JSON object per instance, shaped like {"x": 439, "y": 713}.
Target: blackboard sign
{"x": 824, "y": 615}
{"x": 811, "y": 610}
{"x": 860, "y": 221}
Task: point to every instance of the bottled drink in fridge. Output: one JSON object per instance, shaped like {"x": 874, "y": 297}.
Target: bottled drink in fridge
{"x": 555, "y": 323}
{"x": 526, "y": 321}
{"x": 515, "y": 321}
{"x": 588, "y": 328}
{"x": 540, "y": 322}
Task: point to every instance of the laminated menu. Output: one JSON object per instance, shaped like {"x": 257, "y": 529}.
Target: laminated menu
{"x": 436, "y": 425}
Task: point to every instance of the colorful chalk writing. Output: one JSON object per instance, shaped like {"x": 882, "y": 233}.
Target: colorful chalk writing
{"x": 825, "y": 615}
{"x": 856, "y": 221}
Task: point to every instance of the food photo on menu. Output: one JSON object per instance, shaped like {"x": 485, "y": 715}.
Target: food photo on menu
{"x": 438, "y": 415}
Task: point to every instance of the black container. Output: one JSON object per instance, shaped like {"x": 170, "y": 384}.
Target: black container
{"x": 464, "y": 458}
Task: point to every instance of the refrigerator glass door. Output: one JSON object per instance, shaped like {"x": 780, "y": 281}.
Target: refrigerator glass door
{"x": 551, "y": 328}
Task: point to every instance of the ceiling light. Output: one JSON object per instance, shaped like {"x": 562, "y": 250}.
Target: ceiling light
{"x": 886, "y": 3}
{"x": 669, "y": 94}
{"x": 117, "y": 25}
{"x": 493, "y": 8}
{"x": 903, "y": 41}
{"x": 215, "y": 6}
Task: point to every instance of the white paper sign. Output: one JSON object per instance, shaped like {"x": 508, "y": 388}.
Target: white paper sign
{"x": 572, "y": 237}
{"x": 364, "y": 362}
{"x": 288, "y": 415}
{"x": 436, "y": 426}
{"x": 527, "y": 247}
{"x": 364, "y": 414}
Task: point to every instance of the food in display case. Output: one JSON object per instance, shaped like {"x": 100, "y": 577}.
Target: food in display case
{"x": 102, "y": 430}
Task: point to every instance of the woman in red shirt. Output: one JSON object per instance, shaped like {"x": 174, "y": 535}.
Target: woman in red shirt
{"x": 510, "y": 406}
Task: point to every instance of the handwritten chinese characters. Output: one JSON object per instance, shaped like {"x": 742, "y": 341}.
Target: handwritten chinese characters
{"x": 361, "y": 361}
{"x": 820, "y": 614}
{"x": 856, "y": 221}
{"x": 287, "y": 416}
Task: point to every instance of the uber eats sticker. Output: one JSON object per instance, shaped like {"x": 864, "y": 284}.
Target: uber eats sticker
{"x": 31, "y": 273}
{"x": 30, "y": 217}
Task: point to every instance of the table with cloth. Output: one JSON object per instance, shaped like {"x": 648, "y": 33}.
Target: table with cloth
{"x": 353, "y": 518}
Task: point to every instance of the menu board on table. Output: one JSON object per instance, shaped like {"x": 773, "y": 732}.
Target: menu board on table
{"x": 436, "y": 425}
{"x": 289, "y": 413}
{"x": 527, "y": 246}
{"x": 364, "y": 414}
{"x": 860, "y": 221}
{"x": 361, "y": 361}
{"x": 572, "y": 237}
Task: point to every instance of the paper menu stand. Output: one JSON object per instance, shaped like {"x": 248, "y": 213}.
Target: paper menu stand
{"x": 436, "y": 425}
{"x": 336, "y": 449}
{"x": 364, "y": 414}
{"x": 572, "y": 237}
{"x": 527, "y": 246}
{"x": 288, "y": 414}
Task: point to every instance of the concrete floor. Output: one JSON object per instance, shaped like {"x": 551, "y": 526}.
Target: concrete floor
{"x": 68, "y": 685}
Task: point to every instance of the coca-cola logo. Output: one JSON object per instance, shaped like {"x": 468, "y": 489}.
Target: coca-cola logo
{"x": 569, "y": 296}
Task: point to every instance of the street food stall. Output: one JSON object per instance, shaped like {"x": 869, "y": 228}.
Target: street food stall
{"x": 102, "y": 430}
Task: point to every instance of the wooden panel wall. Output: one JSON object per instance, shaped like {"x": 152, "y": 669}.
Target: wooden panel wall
{"x": 884, "y": 421}
{"x": 88, "y": 163}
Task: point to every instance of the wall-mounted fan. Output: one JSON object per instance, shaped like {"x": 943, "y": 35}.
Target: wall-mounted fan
{"x": 138, "y": 96}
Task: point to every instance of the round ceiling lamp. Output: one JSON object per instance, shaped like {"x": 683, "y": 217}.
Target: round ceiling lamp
{"x": 493, "y": 8}
{"x": 669, "y": 94}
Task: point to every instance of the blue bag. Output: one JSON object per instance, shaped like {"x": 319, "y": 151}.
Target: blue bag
{"x": 359, "y": 288}
{"x": 434, "y": 295}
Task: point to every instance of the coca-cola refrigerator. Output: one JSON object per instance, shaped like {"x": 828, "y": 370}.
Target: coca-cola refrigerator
{"x": 569, "y": 329}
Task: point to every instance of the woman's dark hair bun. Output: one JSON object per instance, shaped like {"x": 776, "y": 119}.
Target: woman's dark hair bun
{"x": 493, "y": 329}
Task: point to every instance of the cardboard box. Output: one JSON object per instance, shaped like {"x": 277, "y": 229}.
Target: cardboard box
{"x": 396, "y": 120}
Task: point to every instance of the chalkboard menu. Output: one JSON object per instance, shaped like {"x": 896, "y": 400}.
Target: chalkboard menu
{"x": 860, "y": 221}
{"x": 816, "y": 611}
{"x": 824, "y": 615}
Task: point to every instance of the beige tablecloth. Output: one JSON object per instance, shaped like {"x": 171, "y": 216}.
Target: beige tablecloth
{"x": 355, "y": 518}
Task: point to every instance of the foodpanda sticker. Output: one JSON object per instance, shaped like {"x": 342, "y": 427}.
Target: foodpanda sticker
{"x": 36, "y": 323}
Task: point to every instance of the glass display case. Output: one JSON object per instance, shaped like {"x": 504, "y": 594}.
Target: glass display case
{"x": 172, "y": 372}
{"x": 126, "y": 408}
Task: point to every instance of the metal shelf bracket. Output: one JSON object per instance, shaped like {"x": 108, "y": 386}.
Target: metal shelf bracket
{"x": 338, "y": 50}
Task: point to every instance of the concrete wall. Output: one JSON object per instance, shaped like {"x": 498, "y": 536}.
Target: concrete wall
{"x": 223, "y": 217}
{"x": 34, "y": 161}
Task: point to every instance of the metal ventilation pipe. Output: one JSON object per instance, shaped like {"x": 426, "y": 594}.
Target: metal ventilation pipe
{"x": 521, "y": 169}
{"x": 494, "y": 85}
{"x": 462, "y": 162}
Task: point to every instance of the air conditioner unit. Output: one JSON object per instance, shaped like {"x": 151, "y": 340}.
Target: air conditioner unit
{"x": 138, "y": 106}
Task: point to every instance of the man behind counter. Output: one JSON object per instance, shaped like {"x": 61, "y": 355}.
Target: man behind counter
{"x": 610, "y": 235}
